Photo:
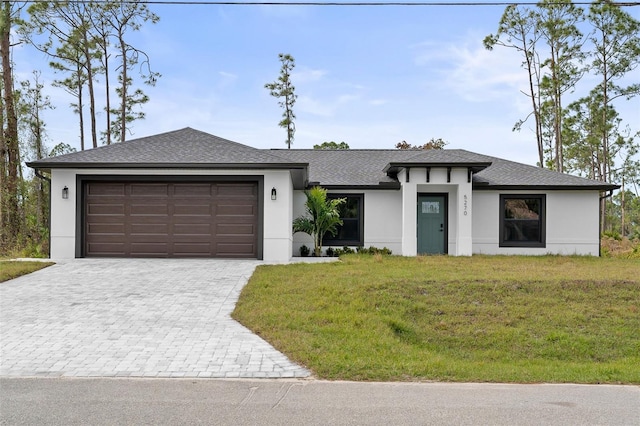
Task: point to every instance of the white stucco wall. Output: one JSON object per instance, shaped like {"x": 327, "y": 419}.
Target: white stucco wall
{"x": 382, "y": 219}
{"x": 63, "y": 215}
{"x": 459, "y": 208}
{"x": 277, "y": 235}
{"x": 389, "y": 215}
{"x": 571, "y": 223}
{"x": 299, "y": 238}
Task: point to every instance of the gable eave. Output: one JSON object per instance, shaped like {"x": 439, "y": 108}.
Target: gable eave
{"x": 381, "y": 185}
{"x": 48, "y": 166}
{"x": 396, "y": 166}
{"x": 482, "y": 186}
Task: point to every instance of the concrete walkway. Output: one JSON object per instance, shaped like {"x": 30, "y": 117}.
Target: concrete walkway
{"x": 133, "y": 318}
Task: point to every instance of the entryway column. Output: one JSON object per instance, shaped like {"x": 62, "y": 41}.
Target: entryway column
{"x": 409, "y": 214}
{"x": 464, "y": 236}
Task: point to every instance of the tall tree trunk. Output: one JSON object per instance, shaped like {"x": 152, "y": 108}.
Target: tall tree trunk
{"x": 107, "y": 92}
{"x": 535, "y": 104}
{"x": 123, "y": 88}
{"x": 92, "y": 97}
{"x": 622, "y": 218}
{"x": 3, "y": 167}
{"x": 605, "y": 104}
{"x": 80, "y": 108}
{"x": 559, "y": 141}
{"x": 11, "y": 225}
{"x": 41, "y": 208}
{"x": 557, "y": 128}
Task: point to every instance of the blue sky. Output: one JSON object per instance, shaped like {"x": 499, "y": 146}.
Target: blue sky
{"x": 369, "y": 76}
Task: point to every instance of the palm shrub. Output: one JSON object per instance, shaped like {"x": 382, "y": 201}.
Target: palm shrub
{"x": 322, "y": 216}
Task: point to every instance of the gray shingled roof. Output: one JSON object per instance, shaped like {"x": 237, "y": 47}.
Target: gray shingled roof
{"x": 507, "y": 174}
{"x": 345, "y": 167}
{"x": 181, "y": 148}
{"x": 366, "y": 168}
{"x": 189, "y": 148}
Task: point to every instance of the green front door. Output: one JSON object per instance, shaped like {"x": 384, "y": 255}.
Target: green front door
{"x": 432, "y": 224}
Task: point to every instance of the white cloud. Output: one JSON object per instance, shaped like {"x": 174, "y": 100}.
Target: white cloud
{"x": 327, "y": 106}
{"x": 428, "y": 53}
{"x": 315, "y": 107}
{"x": 227, "y": 75}
{"x": 345, "y": 99}
{"x": 226, "y": 79}
{"x": 307, "y": 75}
{"x": 472, "y": 72}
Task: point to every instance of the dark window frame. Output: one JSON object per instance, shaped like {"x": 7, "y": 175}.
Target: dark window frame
{"x": 541, "y": 221}
{"x": 328, "y": 240}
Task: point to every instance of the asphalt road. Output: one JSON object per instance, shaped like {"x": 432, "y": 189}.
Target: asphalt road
{"x": 73, "y": 401}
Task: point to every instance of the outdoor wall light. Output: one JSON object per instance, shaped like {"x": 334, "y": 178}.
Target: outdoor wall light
{"x": 274, "y": 194}
{"x": 65, "y": 193}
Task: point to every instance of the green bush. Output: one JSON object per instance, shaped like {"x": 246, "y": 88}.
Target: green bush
{"x": 360, "y": 250}
{"x": 612, "y": 234}
{"x": 375, "y": 250}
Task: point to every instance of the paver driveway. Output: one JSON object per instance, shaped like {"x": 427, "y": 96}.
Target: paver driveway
{"x": 133, "y": 317}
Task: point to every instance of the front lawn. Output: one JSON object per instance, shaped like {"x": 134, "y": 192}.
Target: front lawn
{"x": 480, "y": 319}
{"x": 13, "y": 269}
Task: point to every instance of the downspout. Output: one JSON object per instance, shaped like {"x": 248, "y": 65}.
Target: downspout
{"x": 43, "y": 177}
{"x": 602, "y": 197}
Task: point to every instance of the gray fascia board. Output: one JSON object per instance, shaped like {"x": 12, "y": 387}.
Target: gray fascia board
{"x": 72, "y": 165}
{"x": 603, "y": 187}
{"x": 397, "y": 165}
{"x": 381, "y": 185}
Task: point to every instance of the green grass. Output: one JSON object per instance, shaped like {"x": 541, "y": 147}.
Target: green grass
{"x": 482, "y": 318}
{"x": 14, "y": 269}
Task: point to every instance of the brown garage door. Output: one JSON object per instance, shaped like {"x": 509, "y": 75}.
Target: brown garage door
{"x": 175, "y": 219}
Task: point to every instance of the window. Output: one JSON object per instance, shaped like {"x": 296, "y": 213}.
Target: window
{"x": 351, "y": 233}
{"x": 522, "y": 220}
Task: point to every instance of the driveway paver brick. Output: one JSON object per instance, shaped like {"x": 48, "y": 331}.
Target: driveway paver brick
{"x": 133, "y": 318}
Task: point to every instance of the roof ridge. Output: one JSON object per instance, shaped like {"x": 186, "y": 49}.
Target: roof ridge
{"x": 368, "y": 150}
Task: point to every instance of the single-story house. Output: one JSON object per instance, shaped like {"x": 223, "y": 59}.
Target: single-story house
{"x": 187, "y": 193}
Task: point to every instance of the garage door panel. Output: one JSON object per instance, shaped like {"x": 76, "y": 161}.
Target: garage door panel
{"x": 107, "y": 189}
{"x": 149, "y": 190}
{"x": 106, "y": 248}
{"x": 236, "y": 210}
{"x": 196, "y": 229}
{"x": 192, "y": 190}
{"x": 192, "y": 220}
{"x": 235, "y": 229}
{"x": 236, "y": 190}
{"x": 107, "y": 220}
{"x": 192, "y": 210}
{"x": 106, "y": 209}
{"x": 107, "y": 228}
{"x": 234, "y": 222}
{"x": 155, "y": 209}
{"x": 149, "y": 228}
{"x": 149, "y": 249}
{"x": 175, "y": 219}
{"x": 233, "y": 249}
{"x": 193, "y": 248}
